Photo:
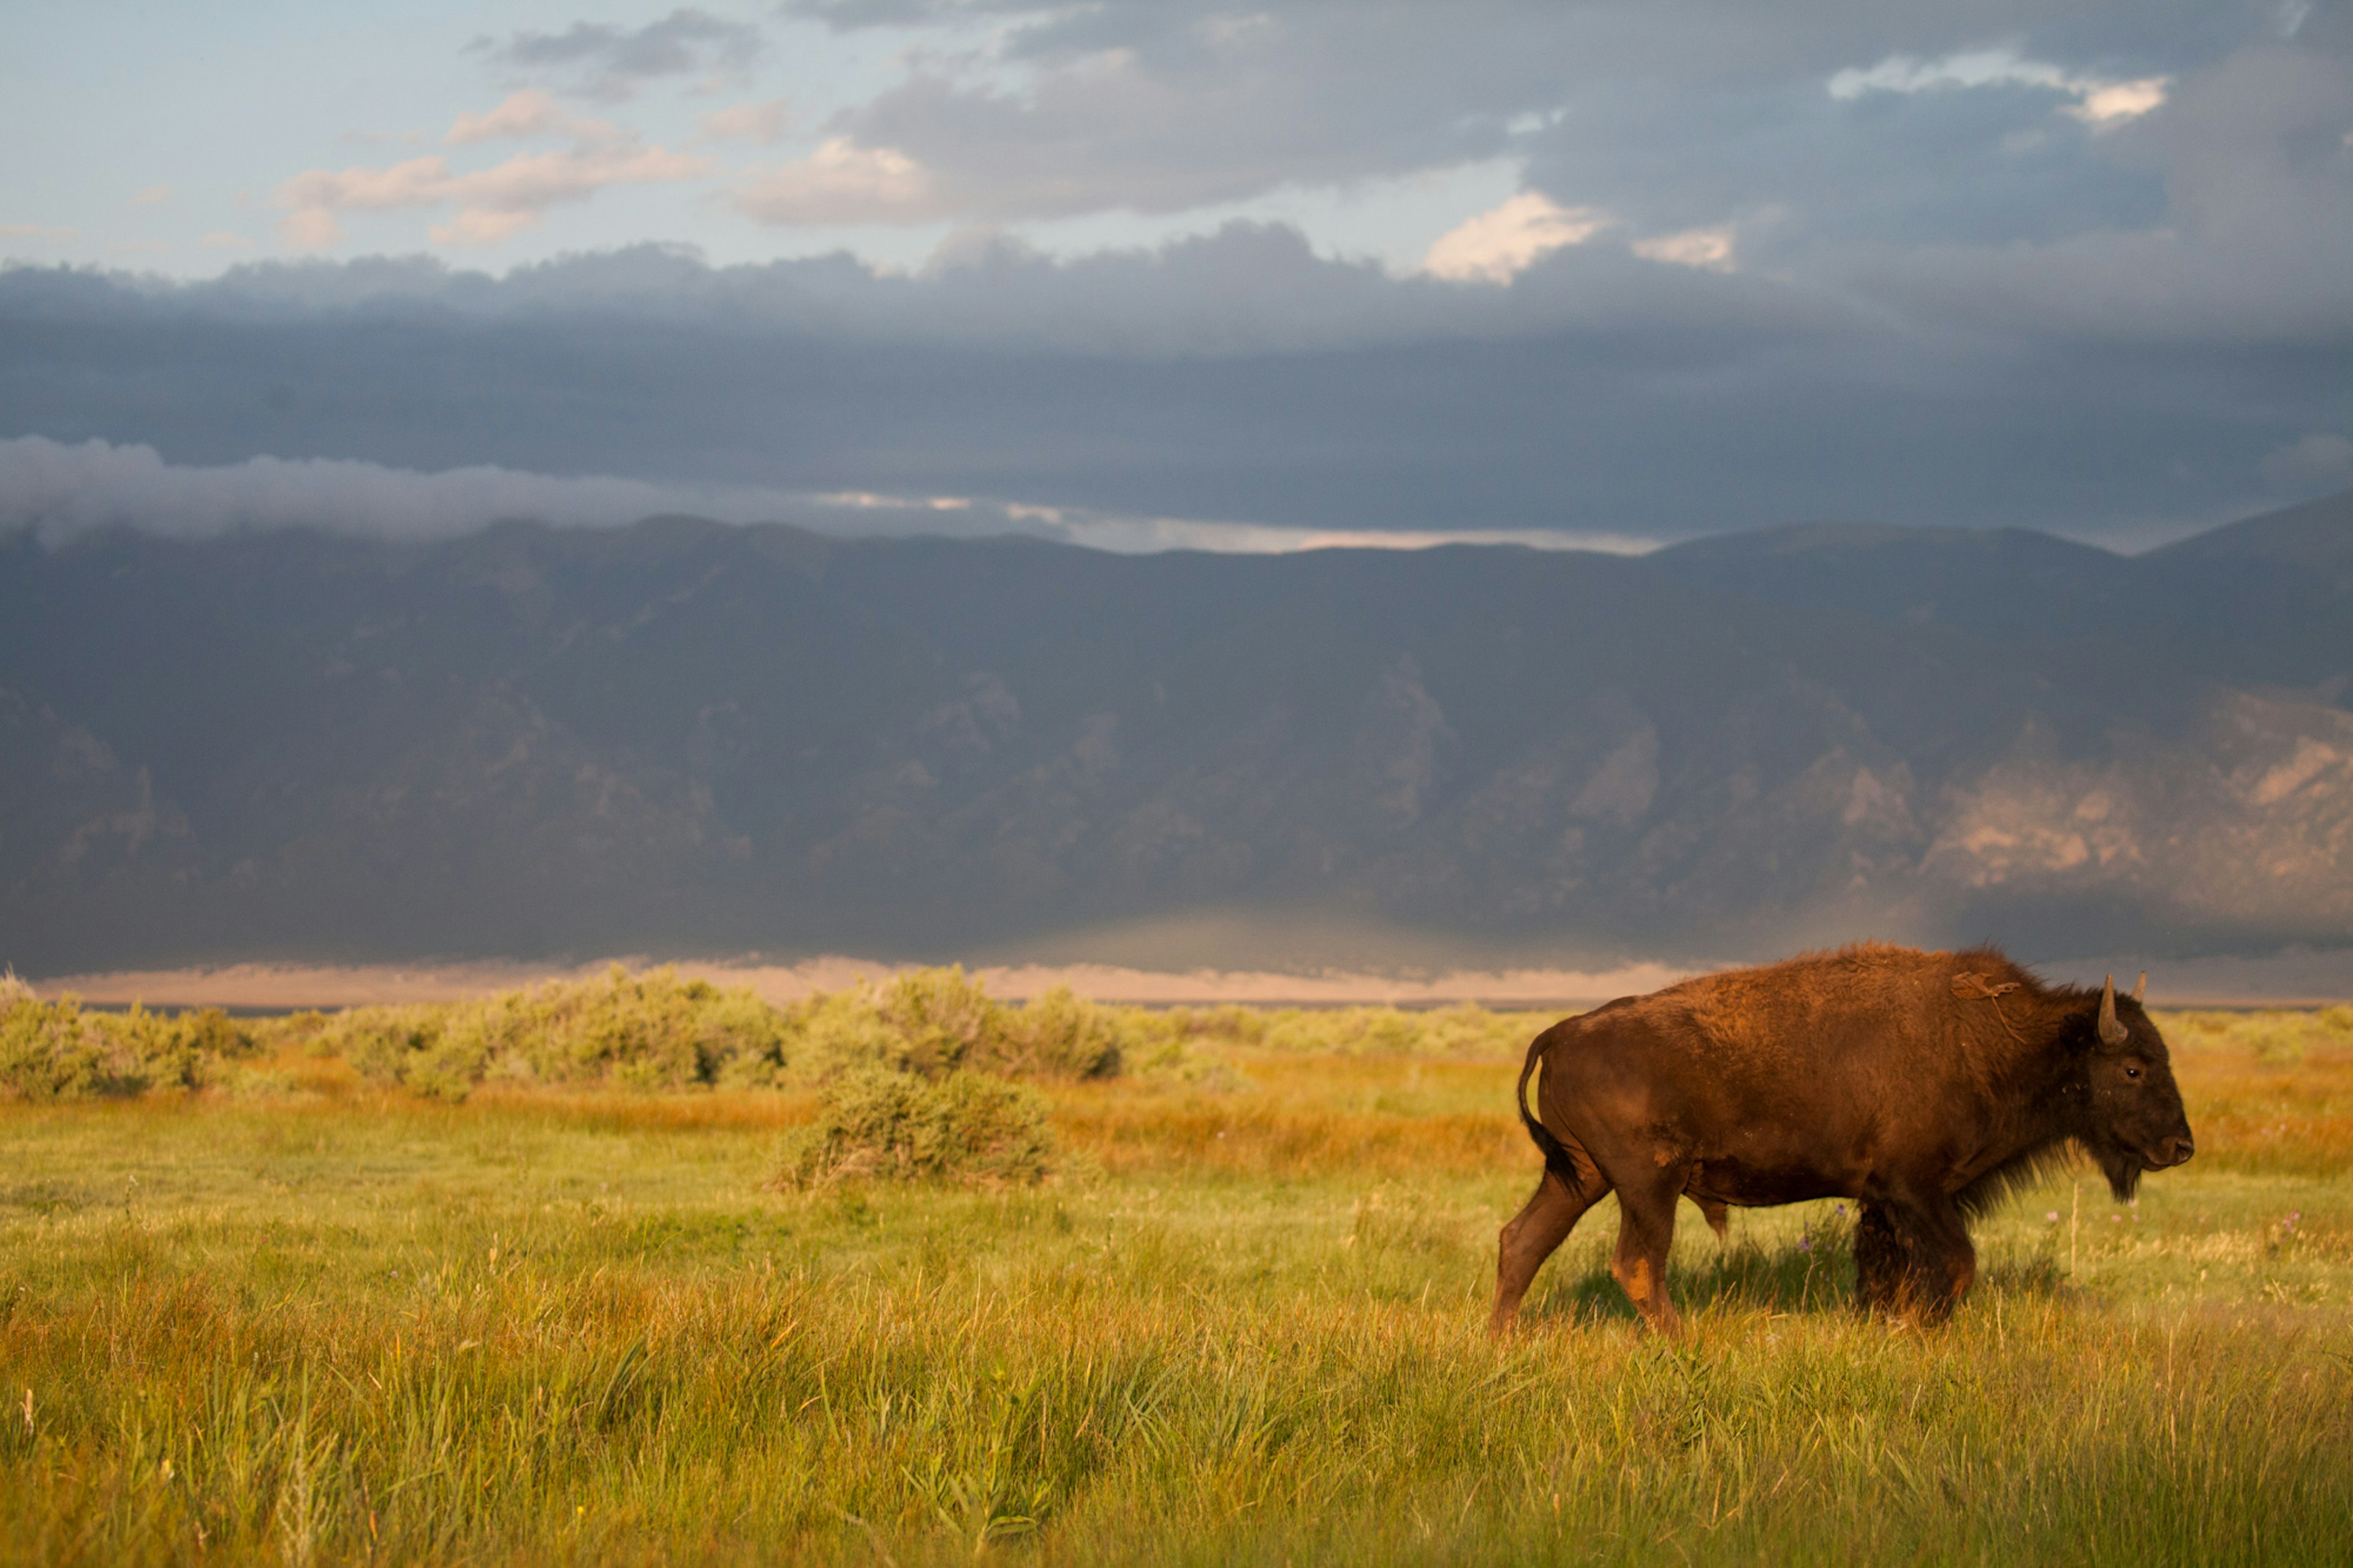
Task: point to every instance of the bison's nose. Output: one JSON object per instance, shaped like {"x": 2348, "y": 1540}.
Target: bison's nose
{"x": 2174, "y": 1150}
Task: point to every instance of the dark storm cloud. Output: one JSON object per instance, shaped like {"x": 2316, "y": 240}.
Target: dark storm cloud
{"x": 607, "y": 61}
{"x": 1238, "y": 378}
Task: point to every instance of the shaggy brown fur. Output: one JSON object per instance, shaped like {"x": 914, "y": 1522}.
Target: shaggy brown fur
{"x": 1922, "y": 1085}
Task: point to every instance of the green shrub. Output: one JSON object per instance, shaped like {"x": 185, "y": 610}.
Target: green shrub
{"x": 874, "y": 1123}
{"x": 644, "y": 1031}
{"x": 1061, "y": 1034}
{"x": 1228, "y": 1024}
{"x": 1464, "y": 1031}
{"x": 835, "y": 1032}
{"x": 54, "y": 1050}
{"x": 942, "y": 1019}
{"x": 438, "y": 1052}
{"x": 658, "y": 1031}
{"x": 185, "y": 1051}
{"x": 934, "y": 1022}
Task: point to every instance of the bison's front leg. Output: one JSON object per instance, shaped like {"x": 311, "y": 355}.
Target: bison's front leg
{"x": 1883, "y": 1261}
{"x": 1912, "y": 1259}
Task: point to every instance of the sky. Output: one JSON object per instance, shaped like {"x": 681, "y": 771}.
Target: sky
{"x": 1170, "y": 274}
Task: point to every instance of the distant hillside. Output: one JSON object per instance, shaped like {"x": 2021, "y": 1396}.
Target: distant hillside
{"x": 688, "y": 737}
{"x": 2316, "y": 538}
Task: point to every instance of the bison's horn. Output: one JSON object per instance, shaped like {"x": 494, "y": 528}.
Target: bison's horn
{"x": 2111, "y": 1032}
{"x": 2141, "y": 989}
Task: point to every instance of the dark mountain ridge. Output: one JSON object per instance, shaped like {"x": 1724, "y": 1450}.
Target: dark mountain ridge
{"x": 690, "y": 737}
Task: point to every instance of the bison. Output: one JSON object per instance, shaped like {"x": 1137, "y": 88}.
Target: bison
{"x": 1923, "y": 1085}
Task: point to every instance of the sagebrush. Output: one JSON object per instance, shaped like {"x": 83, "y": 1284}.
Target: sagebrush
{"x": 897, "y": 1126}
{"x": 57, "y": 1051}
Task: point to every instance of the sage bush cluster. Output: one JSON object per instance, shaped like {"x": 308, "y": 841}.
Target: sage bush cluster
{"x": 59, "y": 1050}
{"x": 966, "y": 1127}
{"x": 655, "y": 1030}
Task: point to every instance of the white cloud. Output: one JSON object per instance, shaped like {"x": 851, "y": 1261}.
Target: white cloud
{"x": 63, "y": 491}
{"x": 1145, "y": 536}
{"x": 36, "y": 231}
{"x": 2320, "y": 459}
{"x": 1500, "y": 244}
{"x": 2099, "y": 102}
{"x": 844, "y": 183}
{"x": 869, "y": 501}
{"x": 763, "y": 123}
{"x": 476, "y": 227}
{"x": 2116, "y": 102}
{"x": 310, "y": 229}
{"x": 492, "y": 204}
{"x": 1978, "y": 67}
{"x": 528, "y": 112}
{"x": 152, "y": 196}
{"x": 1709, "y": 249}
{"x": 225, "y": 239}
{"x": 969, "y": 517}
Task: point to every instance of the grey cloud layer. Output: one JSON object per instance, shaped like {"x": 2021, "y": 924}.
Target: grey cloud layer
{"x": 1973, "y": 183}
{"x": 1159, "y": 107}
{"x": 1956, "y": 294}
{"x": 1238, "y": 378}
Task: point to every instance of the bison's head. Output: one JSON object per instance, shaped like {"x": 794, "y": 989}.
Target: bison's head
{"x": 2134, "y": 1121}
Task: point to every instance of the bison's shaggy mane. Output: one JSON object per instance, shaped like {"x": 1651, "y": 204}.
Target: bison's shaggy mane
{"x": 2015, "y": 1175}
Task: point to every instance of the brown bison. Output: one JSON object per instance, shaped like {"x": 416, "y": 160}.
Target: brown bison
{"x": 1924, "y": 1085}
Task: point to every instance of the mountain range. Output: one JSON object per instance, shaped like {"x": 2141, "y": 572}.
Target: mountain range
{"x": 688, "y": 737}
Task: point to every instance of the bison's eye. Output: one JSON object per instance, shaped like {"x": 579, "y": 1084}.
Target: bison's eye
{"x": 2132, "y": 1072}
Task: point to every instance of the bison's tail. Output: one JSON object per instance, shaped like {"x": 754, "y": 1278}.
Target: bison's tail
{"x": 1555, "y": 1153}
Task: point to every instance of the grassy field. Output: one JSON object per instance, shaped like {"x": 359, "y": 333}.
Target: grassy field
{"x": 303, "y": 1317}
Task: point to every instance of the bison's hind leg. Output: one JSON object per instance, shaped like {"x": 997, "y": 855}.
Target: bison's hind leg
{"x": 1719, "y": 1219}
{"x": 1646, "y": 1230}
{"x": 1537, "y": 1230}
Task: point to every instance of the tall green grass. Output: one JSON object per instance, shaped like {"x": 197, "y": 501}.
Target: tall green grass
{"x": 324, "y": 1318}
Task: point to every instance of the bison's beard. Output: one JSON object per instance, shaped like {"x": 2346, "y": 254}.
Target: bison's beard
{"x": 2119, "y": 1164}
{"x": 2122, "y": 1168}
